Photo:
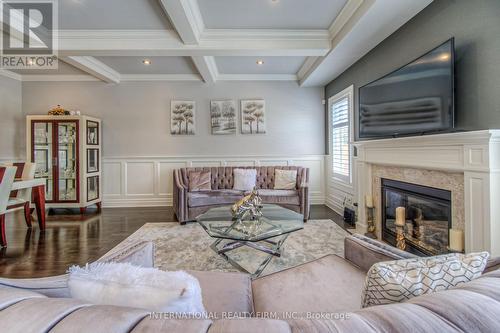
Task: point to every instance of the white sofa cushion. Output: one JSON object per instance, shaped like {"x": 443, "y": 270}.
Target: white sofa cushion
{"x": 285, "y": 179}
{"x": 244, "y": 179}
{"x": 145, "y": 288}
{"x": 399, "y": 280}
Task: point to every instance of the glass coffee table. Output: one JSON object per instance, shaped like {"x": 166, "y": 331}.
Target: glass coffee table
{"x": 266, "y": 234}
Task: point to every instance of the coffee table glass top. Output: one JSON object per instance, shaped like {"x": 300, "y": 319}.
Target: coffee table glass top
{"x": 276, "y": 221}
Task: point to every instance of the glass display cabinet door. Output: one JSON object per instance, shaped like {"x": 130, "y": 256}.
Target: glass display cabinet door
{"x": 66, "y": 161}
{"x": 42, "y": 155}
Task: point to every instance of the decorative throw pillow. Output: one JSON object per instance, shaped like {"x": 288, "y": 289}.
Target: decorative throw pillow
{"x": 145, "y": 288}
{"x": 199, "y": 181}
{"x": 285, "y": 179}
{"x": 399, "y": 280}
{"x": 244, "y": 179}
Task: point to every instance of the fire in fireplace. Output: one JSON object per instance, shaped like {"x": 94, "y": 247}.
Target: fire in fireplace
{"x": 428, "y": 216}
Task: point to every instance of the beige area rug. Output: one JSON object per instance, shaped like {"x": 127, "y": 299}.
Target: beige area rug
{"x": 187, "y": 247}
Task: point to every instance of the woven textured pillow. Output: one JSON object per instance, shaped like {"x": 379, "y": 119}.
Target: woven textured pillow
{"x": 199, "y": 181}
{"x": 396, "y": 281}
{"x": 285, "y": 179}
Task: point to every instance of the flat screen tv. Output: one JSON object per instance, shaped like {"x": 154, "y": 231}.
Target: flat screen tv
{"x": 415, "y": 99}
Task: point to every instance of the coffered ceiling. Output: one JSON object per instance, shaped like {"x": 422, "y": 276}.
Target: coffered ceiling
{"x": 310, "y": 42}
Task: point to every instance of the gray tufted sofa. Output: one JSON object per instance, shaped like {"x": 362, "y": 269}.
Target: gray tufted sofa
{"x": 188, "y": 205}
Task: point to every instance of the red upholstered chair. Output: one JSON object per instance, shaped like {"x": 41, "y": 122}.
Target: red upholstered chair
{"x": 22, "y": 198}
{"x": 7, "y": 175}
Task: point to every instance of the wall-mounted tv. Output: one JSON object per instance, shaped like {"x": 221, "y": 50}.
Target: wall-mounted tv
{"x": 416, "y": 99}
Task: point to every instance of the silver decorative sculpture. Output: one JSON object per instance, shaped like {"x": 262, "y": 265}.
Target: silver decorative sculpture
{"x": 249, "y": 207}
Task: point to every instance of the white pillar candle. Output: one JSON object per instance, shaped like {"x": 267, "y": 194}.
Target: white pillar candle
{"x": 400, "y": 216}
{"x": 456, "y": 240}
{"x": 369, "y": 201}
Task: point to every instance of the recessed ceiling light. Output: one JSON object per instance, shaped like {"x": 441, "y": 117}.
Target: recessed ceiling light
{"x": 260, "y": 62}
{"x": 146, "y": 62}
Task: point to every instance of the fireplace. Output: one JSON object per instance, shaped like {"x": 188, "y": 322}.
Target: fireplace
{"x": 428, "y": 216}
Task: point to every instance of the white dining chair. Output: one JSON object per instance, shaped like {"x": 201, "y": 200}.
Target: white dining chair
{"x": 7, "y": 175}
{"x": 22, "y": 198}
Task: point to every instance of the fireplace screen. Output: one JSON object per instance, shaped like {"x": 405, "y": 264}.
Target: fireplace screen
{"x": 428, "y": 216}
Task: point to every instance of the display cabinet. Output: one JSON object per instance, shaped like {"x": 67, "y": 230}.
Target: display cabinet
{"x": 67, "y": 153}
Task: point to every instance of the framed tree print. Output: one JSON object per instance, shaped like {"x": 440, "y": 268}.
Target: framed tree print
{"x": 182, "y": 117}
{"x": 223, "y": 117}
{"x": 253, "y": 116}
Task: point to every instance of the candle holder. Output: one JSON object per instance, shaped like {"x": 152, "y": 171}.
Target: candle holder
{"x": 370, "y": 222}
{"x": 400, "y": 238}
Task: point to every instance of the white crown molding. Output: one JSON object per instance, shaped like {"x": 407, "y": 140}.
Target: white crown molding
{"x": 94, "y": 67}
{"x": 344, "y": 16}
{"x": 56, "y": 77}
{"x": 10, "y": 74}
{"x": 160, "y": 77}
{"x": 307, "y": 66}
{"x": 257, "y": 77}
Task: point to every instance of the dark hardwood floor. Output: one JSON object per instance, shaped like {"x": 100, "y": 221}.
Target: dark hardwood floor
{"x": 73, "y": 239}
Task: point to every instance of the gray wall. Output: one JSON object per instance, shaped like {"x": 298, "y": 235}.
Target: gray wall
{"x": 136, "y": 116}
{"x": 475, "y": 24}
{"x": 11, "y": 120}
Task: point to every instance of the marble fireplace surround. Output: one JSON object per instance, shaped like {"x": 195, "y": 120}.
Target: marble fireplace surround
{"x": 450, "y": 181}
{"x": 465, "y": 163}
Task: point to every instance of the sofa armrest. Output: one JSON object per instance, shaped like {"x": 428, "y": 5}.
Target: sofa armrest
{"x": 178, "y": 181}
{"x": 492, "y": 265}
{"x": 180, "y": 192}
{"x": 304, "y": 179}
{"x": 363, "y": 252}
{"x": 140, "y": 254}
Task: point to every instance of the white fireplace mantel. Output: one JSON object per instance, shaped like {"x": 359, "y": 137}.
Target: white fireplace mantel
{"x": 476, "y": 154}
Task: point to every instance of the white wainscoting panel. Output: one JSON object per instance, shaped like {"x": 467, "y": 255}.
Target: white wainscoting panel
{"x": 112, "y": 187}
{"x": 141, "y": 178}
{"x": 147, "y": 181}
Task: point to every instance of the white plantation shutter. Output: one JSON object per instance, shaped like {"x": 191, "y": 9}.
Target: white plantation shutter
{"x": 341, "y": 158}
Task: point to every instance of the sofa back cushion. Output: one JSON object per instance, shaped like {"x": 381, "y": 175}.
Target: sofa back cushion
{"x": 222, "y": 177}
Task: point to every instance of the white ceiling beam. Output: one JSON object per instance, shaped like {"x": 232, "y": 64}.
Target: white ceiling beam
{"x": 94, "y": 67}
{"x": 212, "y": 43}
{"x": 161, "y": 77}
{"x": 57, "y": 78}
{"x": 207, "y": 68}
{"x": 10, "y": 74}
{"x": 339, "y": 28}
{"x": 186, "y": 17}
{"x": 257, "y": 77}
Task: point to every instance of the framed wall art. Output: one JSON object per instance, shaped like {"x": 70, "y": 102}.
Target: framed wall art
{"x": 253, "y": 116}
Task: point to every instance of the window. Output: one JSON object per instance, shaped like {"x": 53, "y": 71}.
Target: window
{"x": 340, "y": 109}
